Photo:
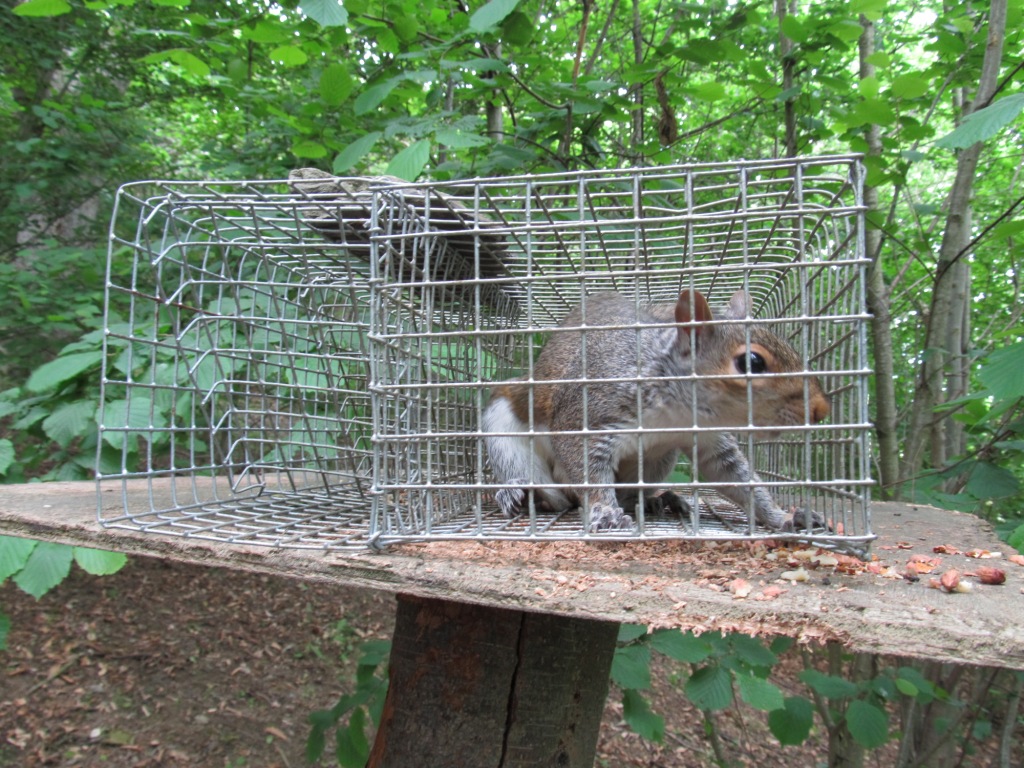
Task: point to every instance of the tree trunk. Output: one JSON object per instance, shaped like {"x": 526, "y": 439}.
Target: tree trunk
{"x": 638, "y": 59}
{"x": 878, "y": 303}
{"x": 782, "y": 9}
{"x": 492, "y": 106}
{"x": 472, "y": 686}
{"x": 946, "y": 339}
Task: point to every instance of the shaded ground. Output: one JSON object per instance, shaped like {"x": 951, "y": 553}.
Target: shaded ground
{"x": 171, "y": 665}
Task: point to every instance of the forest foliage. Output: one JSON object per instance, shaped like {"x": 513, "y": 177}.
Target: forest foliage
{"x": 95, "y": 93}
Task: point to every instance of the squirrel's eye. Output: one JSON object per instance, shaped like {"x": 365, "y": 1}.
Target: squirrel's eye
{"x": 757, "y": 363}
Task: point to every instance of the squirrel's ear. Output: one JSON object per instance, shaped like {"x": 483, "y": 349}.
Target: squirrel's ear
{"x": 697, "y": 312}
{"x": 739, "y": 306}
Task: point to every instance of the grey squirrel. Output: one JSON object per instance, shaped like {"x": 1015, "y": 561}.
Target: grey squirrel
{"x": 639, "y": 363}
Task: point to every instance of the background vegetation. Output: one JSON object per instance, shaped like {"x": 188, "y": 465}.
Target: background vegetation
{"x": 94, "y": 93}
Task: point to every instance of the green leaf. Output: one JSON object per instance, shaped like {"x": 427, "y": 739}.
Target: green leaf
{"x": 791, "y": 724}
{"x": 910, "y": 86}
{"x": 6, "y": 455}
{"x": 873, "y": 111}
{"x": 983, "y": 124}
{"x": 793, "y": 28}
{"x": 309, "y": 149}
{"x": 57, "y": 371}
{"x": 868, "y": 724}
{"x": 638, "y": 716}
{"x": 1001, "y": 372}
{"x": 371, "y": 97}
{"x": 37, "y": 8}
{"x": 99, "y": 562}
{"x": 631, "y": 667}
{"x": 47, "y": 566}
{"x": 906, "y": 687}
{"x": 681, "y": 646}
{"x": 5, "y": 628}
{"x": 517, "y": 28}
{"x": 1016, "y": 539}
{"x": 326, "y": 13}
{"x": 846, "y": 30}
{"x": 1008, "y": 229}
{"x": 870, "y": 8}
{"x": 14, "y": 553}
{"x": 829, "y": 686}
{"x": 355, "y": 152}
{"x": 410, "y": 162}
{"x": 184, "y": 59}
{"x": 288, "y": 56}
{"x": 759, "y": 693}
{"x": 990, "y": 481}
{"x": 136, "y": 415}
{"x": 710, "y": 688}
{"x": 265, "y": 31}
{"x": 708, "y": 91}
{"x": 868, "y": 87}
{"x": 352, "y": 748}
{"x": 630, "y": 632}
{"x": 752, "y": 651}
{"x": 406, "y": 28}
{"x": 491, "y": 14}
{"x": 191, "y": 63}
{"x": 459, "y": 140}
{"x": 335, "y": 84}
{"x": 70, "y": 421}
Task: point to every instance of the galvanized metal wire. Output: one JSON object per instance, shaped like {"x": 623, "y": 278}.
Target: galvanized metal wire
{"x": 304, "y": 363}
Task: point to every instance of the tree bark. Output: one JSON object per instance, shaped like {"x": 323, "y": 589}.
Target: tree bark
{"x": 946, "y": 340}
{"x": 638, "y": 59}
{"x": 472, "y": 686}
{"x": 886, "y": 420}
{"x": 782, "y": 9}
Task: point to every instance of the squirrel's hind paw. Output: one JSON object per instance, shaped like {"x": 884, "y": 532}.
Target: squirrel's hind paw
{"x": 607, "y": 518}
{"x": 800, "y": 519}
{"x": 666, "y": 502}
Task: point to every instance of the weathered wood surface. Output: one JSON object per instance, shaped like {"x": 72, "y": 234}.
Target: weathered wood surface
{"x": 629, "y": 582}
{"x": 472, "y": 685}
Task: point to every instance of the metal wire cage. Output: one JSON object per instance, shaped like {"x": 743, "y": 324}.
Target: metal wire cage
{"x": 236, "y": 376}
{"x": 472, "y": 278}
{"x": 307, "y": 363}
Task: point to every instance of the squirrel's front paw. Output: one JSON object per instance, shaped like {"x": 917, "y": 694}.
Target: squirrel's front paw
{"x": 510, "y": 500}
{"x": 801, "y": 518}
{"x": 606, "y": 518}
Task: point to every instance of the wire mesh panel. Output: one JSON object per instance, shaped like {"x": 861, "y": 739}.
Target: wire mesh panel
{"x": 236, "y": 375}
{"x": 514, "y": 397}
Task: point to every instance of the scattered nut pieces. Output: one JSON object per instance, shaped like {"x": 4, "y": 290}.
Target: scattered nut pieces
{"x": 1016, "y": 559}
{"x": 800, "y": 574}
{"x": 950, "y": 579}
{"x": 982, "y": 554}
{"x": 825, "y": 560}
{"x": 988, "y": 575}
{"x": 740, "y": 588}
{"x": 945, "y": 549}
{"x": 923, "y": 563}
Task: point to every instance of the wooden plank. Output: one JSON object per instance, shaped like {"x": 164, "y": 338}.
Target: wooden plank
{"x": 660, "y": 584}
